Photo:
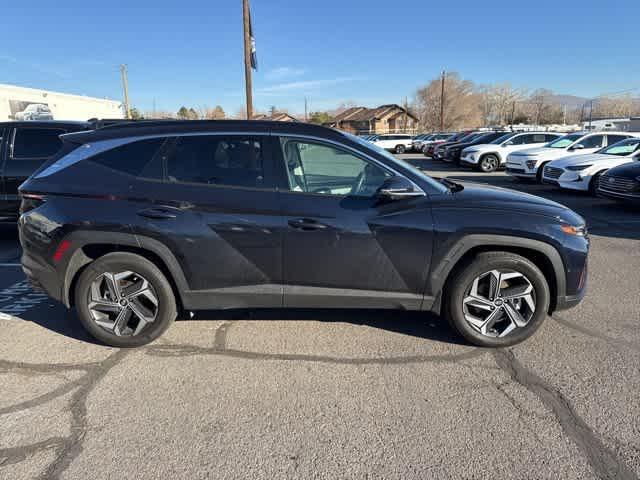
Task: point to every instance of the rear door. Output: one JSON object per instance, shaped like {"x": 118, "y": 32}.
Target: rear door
{"x": 217, "y": 210}
{"x": 26, "y": 149}
{"x": 3, "y": 199}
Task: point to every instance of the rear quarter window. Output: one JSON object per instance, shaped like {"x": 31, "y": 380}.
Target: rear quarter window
{"x": 142, "y": 158}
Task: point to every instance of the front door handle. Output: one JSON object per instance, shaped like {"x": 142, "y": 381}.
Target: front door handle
{"x": 157, "y": 213}
{"x": 307, "y": 224}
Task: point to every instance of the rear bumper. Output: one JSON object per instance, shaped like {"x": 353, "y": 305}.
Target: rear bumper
{"x": 42, "y": 277}
{"x": 569, "y": 301}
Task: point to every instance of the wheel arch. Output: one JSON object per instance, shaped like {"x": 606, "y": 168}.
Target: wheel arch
{"x": 91, "y": 246}
{"x": 545, "y": 256}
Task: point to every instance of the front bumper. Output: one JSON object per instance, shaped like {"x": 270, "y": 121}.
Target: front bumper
{"x": 469, "y": 160}
{"x": 630, "y": 198}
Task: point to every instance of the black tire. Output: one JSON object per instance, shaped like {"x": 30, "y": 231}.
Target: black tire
{"x": 400, "y": 149}
{"x": 489, "y": 163}
{"x": 484, "y": 262}
{"x": 540, "y": 171}
{"x": 118, "y": 262}
{"x": 593, "y": 184}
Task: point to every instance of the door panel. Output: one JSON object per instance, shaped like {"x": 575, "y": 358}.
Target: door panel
{"x": 366, "y": 255}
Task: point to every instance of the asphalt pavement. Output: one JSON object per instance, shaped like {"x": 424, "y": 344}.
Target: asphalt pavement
{"x": 331, "y": 394}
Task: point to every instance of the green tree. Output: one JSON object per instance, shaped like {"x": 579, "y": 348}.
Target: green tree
{"x": 183, "y": 113}
{"x": 320, "y": 117}
{"x": 135, "y": 114}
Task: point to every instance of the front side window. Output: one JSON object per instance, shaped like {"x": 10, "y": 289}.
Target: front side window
{"x": 217, "y": 160}
{"x": 594, "y": 141}
{"x": 36, "y": 143}
{"x": 503, "y": 138}
{"x": 518, "y": 140}
{"x": 322, "y": 169}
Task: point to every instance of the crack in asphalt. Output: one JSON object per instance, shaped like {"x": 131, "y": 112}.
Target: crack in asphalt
{"x": 605, "y": 463}
{"x": 595, "y": 334}
{"x": 66, "y": 448}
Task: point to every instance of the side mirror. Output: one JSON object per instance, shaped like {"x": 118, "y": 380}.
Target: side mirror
{"x": 508, "y": 144}
{"x": 579, "y": 146}
{"x": 396, "y": 188}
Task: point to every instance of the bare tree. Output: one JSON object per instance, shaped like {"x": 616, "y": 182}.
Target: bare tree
{"x": 462, "y": 104}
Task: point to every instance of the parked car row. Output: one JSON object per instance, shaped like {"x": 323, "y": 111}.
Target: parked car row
{"x": 602, "y": 163}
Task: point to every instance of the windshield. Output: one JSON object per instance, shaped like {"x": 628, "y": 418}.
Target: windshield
{"x": 564, "y": 142}
{"x": 394, "y": 161}
{"x": 623, "y": 148}
{"x": 503, "y": 138}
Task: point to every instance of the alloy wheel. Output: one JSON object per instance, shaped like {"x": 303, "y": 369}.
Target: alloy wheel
{"x": 122, "y": 303}
{"x": 490, "y": 163}
{"x": 499, "y": 302}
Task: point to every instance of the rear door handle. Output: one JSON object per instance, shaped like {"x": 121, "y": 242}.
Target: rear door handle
{"x": 157, "y": 213}
{"x": 307, "y": 224}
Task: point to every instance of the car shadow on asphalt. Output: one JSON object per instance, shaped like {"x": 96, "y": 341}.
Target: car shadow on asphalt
{"x": 423, "y": 325}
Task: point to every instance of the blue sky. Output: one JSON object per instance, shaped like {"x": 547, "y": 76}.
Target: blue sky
{"x": 188, "y": 52}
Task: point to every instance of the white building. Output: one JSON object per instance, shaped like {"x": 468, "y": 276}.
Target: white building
{"x": 617, "y": 124}
{"x": 20, "y": 103}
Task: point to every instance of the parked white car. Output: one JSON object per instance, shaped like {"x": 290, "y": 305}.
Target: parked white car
{"x": 397, "y": 143}
{"x": 582, "y": 172}
{"x": 35, "y": 111}
{"x": 491, "y": 156}
{"x": 530, "y": 163}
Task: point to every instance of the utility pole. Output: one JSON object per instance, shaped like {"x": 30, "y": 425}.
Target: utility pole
{"x": 442, "y": 101}
{"x": 125, "y": 87}
{"x": 306, "y": 110}
{"x": 590, "y": 113}
{"x": 564, "y": 114}
{"x": 247, "y": 58}
{"x": 513, "y": 113}
{"x": 406, "y": 114}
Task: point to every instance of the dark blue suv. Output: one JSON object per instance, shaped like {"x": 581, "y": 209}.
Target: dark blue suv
{"x": 133, "y": 223}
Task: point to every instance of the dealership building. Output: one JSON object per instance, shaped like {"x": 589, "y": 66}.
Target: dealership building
{"x": 20, "y": 103}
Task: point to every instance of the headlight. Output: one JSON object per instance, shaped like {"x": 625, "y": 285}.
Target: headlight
{"x": 577, "y": 168}
{"x": 638, "y": 179}
{"x": 578, "y": 231}
{"x": 531, "y": 164}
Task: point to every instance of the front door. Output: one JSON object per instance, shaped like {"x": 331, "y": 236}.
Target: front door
{"x": 343, "y": 246}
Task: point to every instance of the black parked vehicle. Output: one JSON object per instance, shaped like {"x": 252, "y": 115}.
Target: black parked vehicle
{"x": 621, "y": 183}
{"x": 24, "y": 146}
{"x": 453, "y": 150}
{"x": 439, "y": 151}
{"x": 133, "y": 223}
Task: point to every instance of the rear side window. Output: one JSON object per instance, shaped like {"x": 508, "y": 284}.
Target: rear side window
{"x": 611, "y": 139}
{"x": 36, "y": 143}
{"x": 141, "y": 159}
{"x": 217, "y": 160}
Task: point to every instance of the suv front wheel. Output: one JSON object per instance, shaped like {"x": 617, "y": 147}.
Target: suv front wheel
{"x": 498, "y": 299}
{"x": 124, "y": 300}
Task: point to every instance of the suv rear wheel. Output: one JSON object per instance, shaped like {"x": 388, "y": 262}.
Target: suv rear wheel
{"x": 400, "y": 149}
{"x": 124, "y": 300}
{"x": 498, "y": 299}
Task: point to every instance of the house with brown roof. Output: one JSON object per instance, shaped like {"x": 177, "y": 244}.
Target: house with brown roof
{"x": 276, "y": 117}
{"x": 390, "y": 118}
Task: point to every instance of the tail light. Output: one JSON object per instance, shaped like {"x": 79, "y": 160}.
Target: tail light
{"x": 30, "y": 201}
